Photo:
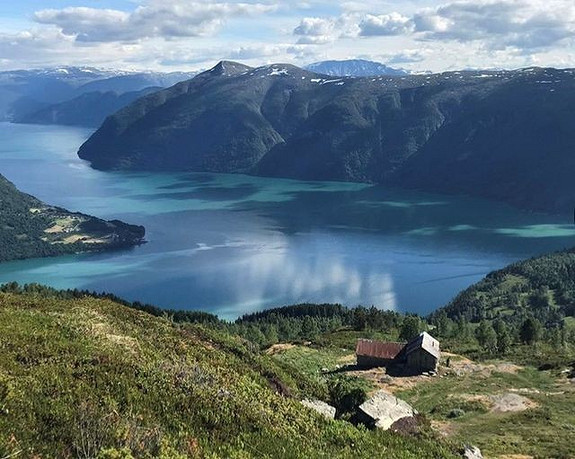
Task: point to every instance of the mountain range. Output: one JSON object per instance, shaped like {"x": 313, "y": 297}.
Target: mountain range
{"x": 353, "y": 67}
{"x": 84, "y": 96}
{"x": 89, "y": 109}
{"x": 25, "y": 92}
{"x": 505, "y": 135}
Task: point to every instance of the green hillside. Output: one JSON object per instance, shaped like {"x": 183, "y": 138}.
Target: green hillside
{"x": 543, "y": 287}
{"x": 88, "y": 377}
{"x": 30, "y": 228}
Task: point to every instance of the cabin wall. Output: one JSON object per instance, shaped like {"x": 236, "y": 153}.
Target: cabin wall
{"x": 366, "y": 361}
{"x": 420, "y": 360}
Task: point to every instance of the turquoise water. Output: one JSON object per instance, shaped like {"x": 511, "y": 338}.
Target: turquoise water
{"x": 232, "y": 244}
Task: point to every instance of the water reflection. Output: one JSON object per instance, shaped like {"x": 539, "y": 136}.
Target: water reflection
{"x": 302, "y": 274}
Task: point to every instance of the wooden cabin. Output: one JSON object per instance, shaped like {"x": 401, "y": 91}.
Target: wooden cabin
{"x": 419, "y": 355}
{"x": 370, "y": 353}
{"x": 422, "y": 353}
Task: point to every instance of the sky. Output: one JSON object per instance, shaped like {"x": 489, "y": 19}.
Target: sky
{"x": 169, "y": 35}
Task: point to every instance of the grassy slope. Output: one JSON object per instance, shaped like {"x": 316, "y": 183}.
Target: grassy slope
{"x": 543, "y": 431}
{"x": 77, "y": 376}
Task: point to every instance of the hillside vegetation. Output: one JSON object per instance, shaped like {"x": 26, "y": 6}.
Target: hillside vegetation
{"x": 506, "y": 135}
{"x": 543, "y": 287}
{"x": 87, "y": 377}
{"x": 30, "y": 228}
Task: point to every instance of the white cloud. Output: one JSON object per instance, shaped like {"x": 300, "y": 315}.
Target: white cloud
{"x": 190, "y": 35}
{"x": 44, "y": 47}
{"x": 385, "y": 24}
{"x": 499, "y": 23}
{"x": 406, "y": 56}
{"x": 155, "y": 19}
{"x": 496, "y": 24}
{"x": 315, "y": 31}
{"x": 263, "y": 52}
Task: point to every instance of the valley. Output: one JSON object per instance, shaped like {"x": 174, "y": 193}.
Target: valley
{"x": 287, "y": 230}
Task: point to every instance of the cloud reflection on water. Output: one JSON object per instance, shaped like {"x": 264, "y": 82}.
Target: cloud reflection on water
{"x": 294, "y": 273}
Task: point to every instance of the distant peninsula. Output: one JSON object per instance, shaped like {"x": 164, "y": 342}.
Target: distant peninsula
{"x": 29, "y": 228}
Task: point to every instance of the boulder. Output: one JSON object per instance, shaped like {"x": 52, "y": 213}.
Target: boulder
{"x": 472, "y": 452}
{"x": 322, "y": 408}
{"x": 383, "y": 409}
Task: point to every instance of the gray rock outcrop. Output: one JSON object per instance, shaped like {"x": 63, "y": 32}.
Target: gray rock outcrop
{"x": 472, "y": 452}
{"x": 322, "y": 408}
{"x": 384, "y": 409}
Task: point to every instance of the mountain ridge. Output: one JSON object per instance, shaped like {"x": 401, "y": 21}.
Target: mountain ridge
{"x": 24, "y": 92}
{"x": 89, "y": 109}
{"x": 353, "y": 67}
{"x": 280, "y": 120}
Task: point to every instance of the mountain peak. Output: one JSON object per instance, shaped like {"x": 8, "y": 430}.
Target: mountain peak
{"x": 228, "y": 68}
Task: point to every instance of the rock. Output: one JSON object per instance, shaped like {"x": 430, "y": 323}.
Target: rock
{"x": 510, "y": 402}
{"x": 410, "y": 425}
{"x": 384, "y": 409}
{"x": 472, "y": 452}
{"x": 322, "y": 408}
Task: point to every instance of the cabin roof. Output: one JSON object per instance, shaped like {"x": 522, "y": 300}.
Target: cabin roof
{"x": 378, "y": 349}
{"x": 424, "y": 341}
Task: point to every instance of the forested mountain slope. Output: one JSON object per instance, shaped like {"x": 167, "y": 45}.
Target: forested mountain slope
{"x": 30, "y": 228}
{"x": 542, "y": 287}
{"x": 507, "y": 135}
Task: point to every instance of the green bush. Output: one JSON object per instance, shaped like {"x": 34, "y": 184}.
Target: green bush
{"x": 347, "y": 393}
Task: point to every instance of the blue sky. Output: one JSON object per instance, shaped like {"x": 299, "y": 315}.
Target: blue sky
{"x": 168, "y": 35}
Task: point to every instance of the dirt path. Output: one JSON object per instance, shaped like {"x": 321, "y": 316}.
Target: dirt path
{"x": 511, "y": 402}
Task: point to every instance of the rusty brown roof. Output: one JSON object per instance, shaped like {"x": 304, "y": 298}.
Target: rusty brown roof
{"x": 378, "y": 349}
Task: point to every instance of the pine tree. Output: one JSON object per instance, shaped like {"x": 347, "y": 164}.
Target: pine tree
{"x": 410, "y": 328}
{"x": 530, "y": 331}
{"x": 486, "y": 336}
{"x": 504, "y": 339}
